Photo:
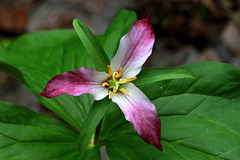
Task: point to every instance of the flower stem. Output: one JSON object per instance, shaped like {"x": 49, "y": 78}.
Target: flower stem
{"x": 96, "y": 137}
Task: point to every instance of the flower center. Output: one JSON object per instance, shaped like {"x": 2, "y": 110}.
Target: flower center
{"x": 115, "y": 81}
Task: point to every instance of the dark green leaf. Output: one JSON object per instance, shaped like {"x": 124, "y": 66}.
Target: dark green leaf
{"x": 200, "y": 116}
{"x": 92, "y": 46}
{"x": 159, "y": 74}
{"x": 121, "y": 24}
{"x": 39, "y": 57}
{"x": 28, "y": 135}
{"x": 206, "y": 126}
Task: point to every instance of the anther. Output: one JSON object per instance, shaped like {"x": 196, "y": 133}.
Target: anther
{"x": 122, "y": 81}
{"x": 109, "y": 70}
{"x": 127, "y": 79}
{"x": 110, "y": 94}
{"x": 105, "y": 84}
{"x": 130, "y": 79}
{"x": 124, "y": 91}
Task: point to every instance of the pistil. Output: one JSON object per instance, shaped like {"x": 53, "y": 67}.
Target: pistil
{"x": 124, "y": 91}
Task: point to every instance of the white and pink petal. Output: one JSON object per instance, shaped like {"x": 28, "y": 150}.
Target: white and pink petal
{"x": 141, "y": 112}
{"x": 134, "y": 48}
{"x": 80, "y": 81}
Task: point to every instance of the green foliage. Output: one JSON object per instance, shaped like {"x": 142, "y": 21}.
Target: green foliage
{"x": 94, "y": 117}
{"x": 159, "y": 74}
{"x": 37, "y": 57}
{"x": 120, "y": 26}
{"x": 204, "y": 117}
{"x": 122, "y": 141}
{"x": 199, "y": 108}
{"x": 40, "y": 56}
{"x": 28, "y": 135}
{"x": 91, "y": 45}
{"x": 92, "y": 153}
{"x": 200, "y": 116}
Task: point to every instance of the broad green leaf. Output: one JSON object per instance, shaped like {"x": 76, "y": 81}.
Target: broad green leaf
{"x": 94, "y": 117}
{"x": 120, "y": 25}
{"x": 92, "y": 46}
{"x": 26, "y": 135}
{"x": 40, "y": 56}
{"x": 216, "y": 79}
{"x": 160, "y": 74}
{"x": 200, "y": 116}
{"x": 200, "y": 123}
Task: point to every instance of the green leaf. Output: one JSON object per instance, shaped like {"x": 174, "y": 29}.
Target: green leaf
{"x": 90, "y": 154}
{"x": 94, "y": 117}
{"x": 159, "y": 74}
{"x": 28, "y": 135}
{"x": 216, "y": 79}
{"x": 207, "y": 126}
{"x": 92, "y": 46}
{"x": 199, "y": 116}
{"x": 40, "y": 56}
{"x": 120, "y": 25}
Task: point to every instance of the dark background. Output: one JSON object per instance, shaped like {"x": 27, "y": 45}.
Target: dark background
{"x": 186, "y": 31}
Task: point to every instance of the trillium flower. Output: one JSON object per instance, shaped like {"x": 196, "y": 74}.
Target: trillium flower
{"x": 134, "y": 49}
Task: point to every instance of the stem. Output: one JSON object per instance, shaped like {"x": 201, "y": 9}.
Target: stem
{"x": 94, "y": 117}
{"x": 96, "y": 137}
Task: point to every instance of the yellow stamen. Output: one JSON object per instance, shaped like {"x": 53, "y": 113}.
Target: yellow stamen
{"x": 109, "y": 71}
{"x": 120, "y": 73}
{"x": 105, "y": 84}
{"x": 127, "y": 79}
{"x": 114, "y": 82}
{"x": 110, "y": 94}
{"x": 131, "y": 79}
{"x": 124, "y": 91}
